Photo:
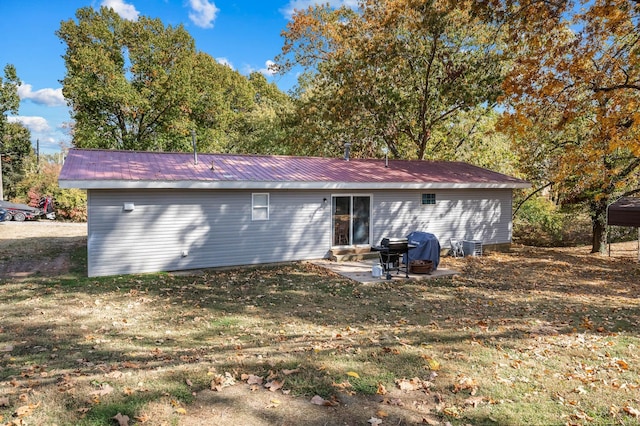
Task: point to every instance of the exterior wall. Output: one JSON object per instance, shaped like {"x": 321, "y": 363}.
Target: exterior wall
{"x": 471, "y": 214}
{"x": 214, "y": 227}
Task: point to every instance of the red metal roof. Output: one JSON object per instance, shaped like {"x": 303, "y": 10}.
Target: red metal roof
{"x": 85, "y": 168}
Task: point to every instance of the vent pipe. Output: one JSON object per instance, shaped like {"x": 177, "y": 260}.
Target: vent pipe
{"x": 195, "y": 151}
{"x": 347, "y": 148}
{"x": 385, "y": 151}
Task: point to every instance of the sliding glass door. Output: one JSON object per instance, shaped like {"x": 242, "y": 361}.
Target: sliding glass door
{"x": 351, "y": 219}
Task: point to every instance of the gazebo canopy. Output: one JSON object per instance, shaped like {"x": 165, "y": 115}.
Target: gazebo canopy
{"x": 624, "y": 212}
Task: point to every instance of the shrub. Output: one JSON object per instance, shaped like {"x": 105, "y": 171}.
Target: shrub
{"x": 69, "y": 204}
{"x": 539, "y": 222}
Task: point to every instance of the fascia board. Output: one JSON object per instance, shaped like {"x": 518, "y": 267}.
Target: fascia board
{"x": 155, "y": 184}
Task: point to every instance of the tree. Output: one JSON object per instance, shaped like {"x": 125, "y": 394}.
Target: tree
{"x": 16, "y": 153}
{"x": 222, "y": 97}
{"x": 264, "y": 128}
{"x": 573, "y": 100}
{"x": 142, "y": 85}
{"x": 127, "y": 83}
{"x": 9, "y": 103}
{"x": 393, "y": 72}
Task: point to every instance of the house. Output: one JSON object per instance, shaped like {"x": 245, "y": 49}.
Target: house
{"x": 159, "y": 211}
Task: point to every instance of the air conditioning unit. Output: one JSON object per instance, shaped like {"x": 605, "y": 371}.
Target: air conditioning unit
{"x": 472, "y": 247}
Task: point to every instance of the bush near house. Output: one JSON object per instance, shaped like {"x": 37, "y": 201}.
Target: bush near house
{"x": 70, "y": 204}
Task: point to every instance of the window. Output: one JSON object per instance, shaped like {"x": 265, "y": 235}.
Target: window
{"x": 259, "y": 206}
{"x": 428, "y": 199}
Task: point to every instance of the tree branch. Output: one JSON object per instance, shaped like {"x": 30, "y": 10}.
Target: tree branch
{"x": 529, "y": 196}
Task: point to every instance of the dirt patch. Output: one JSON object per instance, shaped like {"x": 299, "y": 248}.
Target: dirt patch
{"x": 38, "y": 248}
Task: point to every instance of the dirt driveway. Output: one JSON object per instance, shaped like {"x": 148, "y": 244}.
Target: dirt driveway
{"x": 39, "y": 247}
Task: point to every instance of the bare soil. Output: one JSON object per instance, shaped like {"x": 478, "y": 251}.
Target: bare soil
{"x": 38, "y": 247}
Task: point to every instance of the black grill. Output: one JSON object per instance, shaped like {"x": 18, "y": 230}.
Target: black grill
{"x": 391, "y": 252}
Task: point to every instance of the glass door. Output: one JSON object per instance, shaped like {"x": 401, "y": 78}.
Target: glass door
{"x": 351, "y": 216}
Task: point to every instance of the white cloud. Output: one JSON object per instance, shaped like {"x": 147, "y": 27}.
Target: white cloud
{"x": 294, "y": 5}
{"x": 203, "y": 13}
{"x": 225, "y": 61}
{"x": 35, "y": 124}
{"x": 126, "y": 11}
{"x": 48, "y": 97}
{"x": 269, "y": 69}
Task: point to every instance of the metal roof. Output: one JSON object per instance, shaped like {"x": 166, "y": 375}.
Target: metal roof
{"x": 109, "y": 169}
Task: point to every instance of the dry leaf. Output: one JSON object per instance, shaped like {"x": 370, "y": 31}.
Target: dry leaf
{"x": 466, "y": 383}
{"x": 4, "y": 401}
{"x": 25, "y": 410}
{"x": 143, "y": 418}
{"x": 622, "y": 364}
{"x": 374, "y": 421}
{"x": 219, "y": 381}
{"x": 631, "y": 411}
{"x": 123, "y": 420}
{"x": 288, "y": 372}
{"x": 412, "y": 384}
{"x": 181, "y": 410}
{"x": 353, "y": 374}
{"x": 105, "y": 389}
{"x": 318, "y": 400}
{"x": 274, "y": 385}
{"x": 274, "y": 403}
{"x": 474, "y": 401}
{"x": 254, "y": 380}
{"x": 381, "y": 389}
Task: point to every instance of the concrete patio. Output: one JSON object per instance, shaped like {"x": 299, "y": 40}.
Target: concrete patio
{"x": 361, "y": 271}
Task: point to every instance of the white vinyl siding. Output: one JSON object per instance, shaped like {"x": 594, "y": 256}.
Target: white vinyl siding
{"x": 213, "y": 227}
{"x": 177, "y": 229}
{"x": 472, "y": 214}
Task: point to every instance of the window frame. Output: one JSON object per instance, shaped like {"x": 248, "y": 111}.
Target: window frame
{"x": 428, "y": 199}
{"x": 255, "y": 207}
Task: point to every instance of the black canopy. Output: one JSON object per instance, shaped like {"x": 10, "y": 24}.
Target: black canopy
{"x": 624, "y": 212}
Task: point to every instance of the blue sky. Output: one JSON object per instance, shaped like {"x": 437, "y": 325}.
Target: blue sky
{"x": 245, "y": 34}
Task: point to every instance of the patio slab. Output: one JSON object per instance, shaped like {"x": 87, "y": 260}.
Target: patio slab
{"x": 361, "y": 271}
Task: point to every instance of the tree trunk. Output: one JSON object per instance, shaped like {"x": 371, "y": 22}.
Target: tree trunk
{"x": 599, "y": 227}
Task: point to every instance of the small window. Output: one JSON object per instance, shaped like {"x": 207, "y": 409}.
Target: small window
{"x": 428, "y": 199}
{"x": 259, "y": 206}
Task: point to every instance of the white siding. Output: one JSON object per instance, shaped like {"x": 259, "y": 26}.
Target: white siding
{"x": 215, "y": 228}
{"x": 473, "y": 214}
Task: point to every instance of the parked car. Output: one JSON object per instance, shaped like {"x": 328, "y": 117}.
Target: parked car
{"x": 3, "y": 215}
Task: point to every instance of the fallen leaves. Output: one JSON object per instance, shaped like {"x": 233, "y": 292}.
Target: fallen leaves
{"x": 413, "y": 384}
{"x": 123, "y": 420}
{"x": 465, "y": 383}
{"x": 105, "y": 389}
{"x": 25, "y": 410}
{"x": 274, "y": 385}
{"x": 634, "y": 412}
{"x": 221, "y": 381}
{"x": 318, "y": 400}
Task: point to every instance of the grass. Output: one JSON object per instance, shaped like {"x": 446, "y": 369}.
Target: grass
{"x": 536, "y": 336}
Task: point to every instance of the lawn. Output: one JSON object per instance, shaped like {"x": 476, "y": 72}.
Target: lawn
{"x": 534, "y": 336}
